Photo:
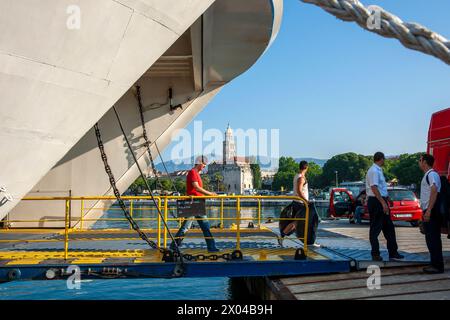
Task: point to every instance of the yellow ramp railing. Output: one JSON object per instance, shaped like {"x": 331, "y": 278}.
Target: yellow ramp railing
{"x": 228, "y": 212}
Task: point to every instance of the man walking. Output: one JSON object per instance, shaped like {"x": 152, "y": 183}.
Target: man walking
{"x": 380, "y": 217}
{"x": 194, "y": 187}
{"x": 432, "y": 220}
{"x": 301, "y": 190}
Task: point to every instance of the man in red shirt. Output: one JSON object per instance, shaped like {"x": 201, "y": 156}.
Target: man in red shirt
{"x": 194, "y": 187}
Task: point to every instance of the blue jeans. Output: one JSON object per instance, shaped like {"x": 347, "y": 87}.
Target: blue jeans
{"x": 358, "y": 214}
{"x": 204, "y": 225}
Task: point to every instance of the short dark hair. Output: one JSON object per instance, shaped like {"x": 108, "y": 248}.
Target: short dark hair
{"x": 303, "y": 165}
{"x": 428, "y": 158}
{"x": 378, "y": 156}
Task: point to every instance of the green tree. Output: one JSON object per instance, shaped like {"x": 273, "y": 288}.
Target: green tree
{"x": 256, "y": 171}
{"x": 284, "y": 177}
{"x": 350, "y": 167}
{"x": 287, "y": 164}
{"x": 389, "y": 164}
{"x": 314, "y": 175}
{"x": 137, "y": 187}
{"x": 206, "y": 182}
{"x": 283, "y": 180}
{"x": 217, "y": 182}
{"x": 406, "y": 169}
{"x": 180, "y": 184}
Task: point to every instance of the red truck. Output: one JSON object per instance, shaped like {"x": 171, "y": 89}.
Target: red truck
{"x": 439, "y": 141}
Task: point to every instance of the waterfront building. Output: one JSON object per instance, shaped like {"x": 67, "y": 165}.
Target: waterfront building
{"x": 236, "y": 171}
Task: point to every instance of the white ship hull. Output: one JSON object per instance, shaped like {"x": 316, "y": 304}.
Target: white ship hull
{"x": 57, "y": 83}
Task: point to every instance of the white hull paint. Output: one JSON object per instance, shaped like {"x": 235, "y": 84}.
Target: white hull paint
{"x": 50, "y": 101}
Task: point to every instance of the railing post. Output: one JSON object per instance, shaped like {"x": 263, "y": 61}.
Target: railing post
{"x": 6, "y": 225}
{"x": 66, "y": 230}
{"x": 81, "y": 214}
{"x": 131, "y": 211}
{"x": 305, "y": 235}
{"x": 159, "y": 222}
{"x": 259, "y": 213}
{"x": 166, "y": 205}
{"x": 238, "y": 216}
{"x": 221, "y": 214}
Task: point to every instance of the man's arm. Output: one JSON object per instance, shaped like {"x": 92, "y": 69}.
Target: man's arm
{"x": 201, "y": 190}
{"x": 433, "y": 198}
{"x": 380, "y": 198}
{"x": 371, "y": 177}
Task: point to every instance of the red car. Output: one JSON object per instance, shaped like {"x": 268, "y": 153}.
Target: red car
{"x": 403, "y": 204}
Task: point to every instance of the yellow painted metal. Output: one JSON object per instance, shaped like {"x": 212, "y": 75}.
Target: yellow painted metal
{"x": 66, "y": 230}
{"x": 167, "y": 197}
{"x": 221, "y": 214}
{"x": 159, "y": 224}
{"x": 131, "y": 211}
{"x": 88, "y": 261}
{"x": 237, "y": 232}
{"x": 166, "y": 206}
{"x": 82, "y": 214}
{"x": 238, "y": 222}
{"x": 259, "y": 214}
{"x": 24, "y": 262}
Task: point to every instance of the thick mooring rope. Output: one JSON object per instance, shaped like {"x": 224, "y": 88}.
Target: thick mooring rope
{"x": 411, "y": 35}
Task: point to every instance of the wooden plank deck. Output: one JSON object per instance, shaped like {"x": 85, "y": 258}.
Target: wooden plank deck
{"x": 397, "y": 283}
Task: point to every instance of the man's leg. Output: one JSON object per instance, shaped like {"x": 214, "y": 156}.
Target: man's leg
{"x": 185, "y": 226}
{"x": 376, "y": 224}
{"x": 434, "y": 242}
{"x": 358, "y": 213}
{"x": 204, "y": 225}
{"x": 389, "y": 235}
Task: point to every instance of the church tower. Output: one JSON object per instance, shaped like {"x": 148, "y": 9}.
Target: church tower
{"x": 229, "y": 147}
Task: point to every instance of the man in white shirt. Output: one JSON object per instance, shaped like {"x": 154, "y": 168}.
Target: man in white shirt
{"x": 380, "y": 217}
{"x": 432, "y": 221}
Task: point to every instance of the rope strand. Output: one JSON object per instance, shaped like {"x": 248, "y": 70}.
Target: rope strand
{"x": 412, "y": 35}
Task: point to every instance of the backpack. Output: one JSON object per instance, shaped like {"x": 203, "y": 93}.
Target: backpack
{"x": 443, "y": 203}
{"x": 296, "y": 210}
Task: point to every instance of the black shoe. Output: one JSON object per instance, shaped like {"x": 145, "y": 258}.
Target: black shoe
{"x": 432, "y": 270}
{"x": 280, "y": 241}
{"x": 377, "y": 257}
{"x": 396, "y": 257}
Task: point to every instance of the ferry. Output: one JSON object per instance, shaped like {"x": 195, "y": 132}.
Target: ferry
{"x": 64, "y": 66}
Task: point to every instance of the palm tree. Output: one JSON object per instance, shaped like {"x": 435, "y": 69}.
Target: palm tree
{"x": 218, "y": 178}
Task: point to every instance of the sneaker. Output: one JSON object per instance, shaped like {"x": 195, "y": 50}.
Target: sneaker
{"x": 377, "y": 257}
{"x": 396, "y": 257}
{"x": 432, "y": 270}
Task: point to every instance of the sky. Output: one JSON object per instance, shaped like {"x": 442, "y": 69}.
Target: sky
{"x": 331, "y": 87}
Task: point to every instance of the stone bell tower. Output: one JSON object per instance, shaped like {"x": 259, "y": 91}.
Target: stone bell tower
{"x": 229, "y": 147}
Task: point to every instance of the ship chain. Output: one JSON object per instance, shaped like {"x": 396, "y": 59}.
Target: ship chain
{"x": 168, "y": 255}
{"x": 144, "y": 134}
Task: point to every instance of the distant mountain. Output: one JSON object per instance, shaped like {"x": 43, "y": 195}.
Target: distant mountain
{"x": 320, "y": 162}
{"x": 265, "y": 163}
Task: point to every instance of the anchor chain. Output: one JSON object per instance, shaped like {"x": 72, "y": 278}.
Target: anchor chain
{"x": 148, "y": 143}
{"x": 168, "y": 255}
{"x": 412, "y": 35}
{"x": 118, "y": 196}
{"x": 144, "y": 134}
